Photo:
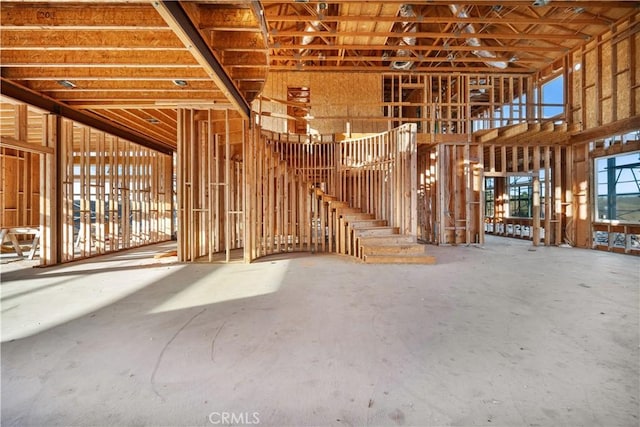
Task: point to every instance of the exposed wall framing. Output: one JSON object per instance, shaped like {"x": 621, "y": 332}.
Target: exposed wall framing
{"x": 86, "y": 192}
{"x": 20, "y": 150}
{"x": 293, "y": 179}
{"x": 210, "y": 183}
{"x": 455, "y": 103}
{"x": 450, "y": 194}
{"x": 115, "y": 194}
{"x": 551, "y": 171}
{"x": 281, "y": 170}
{"x": 605, "y": 83}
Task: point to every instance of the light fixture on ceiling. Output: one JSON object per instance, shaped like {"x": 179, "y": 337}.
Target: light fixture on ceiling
{"x": 66, "y": 83}
{"x": 538, "y": 3}
{"x": 180, "y": 83}
{"x": 152, "y": 120}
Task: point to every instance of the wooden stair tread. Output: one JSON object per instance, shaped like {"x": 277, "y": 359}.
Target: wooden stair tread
{"x": 393, "y": 230}
{"x": 370, "y": 239}
{"x": 359, "y": 224}
{"x": 356, "y": 216}
{"x": 400, "y": 249}
{"x": 400, "y": 259}
{"x": 387, "y": 240}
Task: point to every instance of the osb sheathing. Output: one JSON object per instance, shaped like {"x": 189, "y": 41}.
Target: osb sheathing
{"x": 336, "y": 98}
{"x": 607, "y": 88}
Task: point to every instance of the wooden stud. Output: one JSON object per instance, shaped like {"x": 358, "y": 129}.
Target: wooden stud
{"x": 536, "y": 196}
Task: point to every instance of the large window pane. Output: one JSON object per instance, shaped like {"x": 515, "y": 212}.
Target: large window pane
{"x": 618, "y": 187}
{"x": 553, "y": 98}
{"x": 520, "y": 195}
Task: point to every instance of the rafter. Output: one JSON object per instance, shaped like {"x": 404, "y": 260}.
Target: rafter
{"x": 46, "y": 17}
{"x": 93, "y": 39}
{"x": 421, "y": 48}
{"x": 12, "y": 58}
{"x": 422, "y": 34}
{"x": 382, "y": 69}
{"x": 438, "y": 20}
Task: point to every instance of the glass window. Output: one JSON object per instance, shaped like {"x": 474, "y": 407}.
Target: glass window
{"x": 618, "y": 187}
{"x": 553, "y": 98}
{"x": 489, "y": 197}
{"x": 520, "y": 196}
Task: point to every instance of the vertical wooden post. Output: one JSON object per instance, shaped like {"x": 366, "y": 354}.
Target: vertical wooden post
{"x": 536, "y": 196}
{"x": 211, "y": 185}
{"x": 548, "y": 197}
{"x": 413, "y": 179}
{"x": 468, "y": 181}
{"x": 50, "y": 187}
{"x": 557, "y": 196}
{"x": 568, "y": 195}
{"x": 180, "y": 170}
{"x": 247, "y": 170}
{"x": 227, "y": 188}
{"x": 482, "y": 196}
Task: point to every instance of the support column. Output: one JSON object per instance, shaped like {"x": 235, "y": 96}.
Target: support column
{"x": 227, "y": 188}
{"x": 536, "y": 196}
{"x": 50, "y": 193}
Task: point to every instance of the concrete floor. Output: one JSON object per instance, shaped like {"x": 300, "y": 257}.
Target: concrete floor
{"x": 498, "y": 336}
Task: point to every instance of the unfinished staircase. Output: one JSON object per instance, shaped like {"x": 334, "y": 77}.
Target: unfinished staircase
{"x": 353, "y": 232}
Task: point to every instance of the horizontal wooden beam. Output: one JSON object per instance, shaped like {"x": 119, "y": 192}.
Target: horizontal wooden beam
{"x": 618, "y": 127}
{"x": 41, "y": 16}
{"x": 122, "y": 85}
{"x": 156, "y": 96}
{"x": 8, "y": 142}
{"x": 12, "y": 58}
{"x": 417, "y": 48}
{"x": 382, "y": 69}
{"x": 272, "y": 18}
{"x": 149, "y": 105}
{"x": 21, "y": 93}
{"x": 89, "y": 40}
{"x": 65, "y": 72}
{"x": 570, "y": 35}
{"x": 424, "y": 59}
{"x": 485, "y": 135}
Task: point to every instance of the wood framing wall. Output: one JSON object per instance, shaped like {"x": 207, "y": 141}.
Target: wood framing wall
{"x": 550, "y": 168}
{"x": 210, "y": 183}
{"x": 20, "y": 150}
{"x": 281, "y": 171}
{"x": 115, "y": 194}
{"x": 450, "y": 195}
{"x": 604, "y": 93}
{"x": 604, "y": 80}
{"x": 86, "y": 192}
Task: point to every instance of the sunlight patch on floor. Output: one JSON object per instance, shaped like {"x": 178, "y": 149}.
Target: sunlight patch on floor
{"x": 227, "y": 283}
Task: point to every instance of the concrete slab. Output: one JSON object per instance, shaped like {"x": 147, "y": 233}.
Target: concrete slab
{"x": 488, "y": 336}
